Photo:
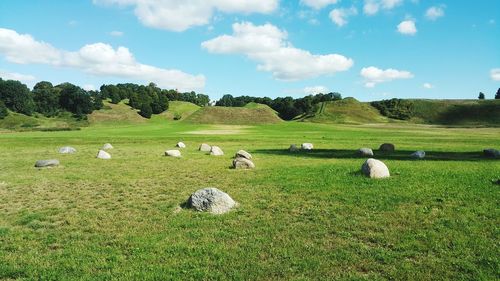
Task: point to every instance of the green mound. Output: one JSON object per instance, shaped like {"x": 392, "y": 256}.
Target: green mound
{"x": 115, "y": 114}
{"x": 348, "y": 110}
{"x": 37, "y": 122}
{"x": 179, "y": 110}
{"x": 234, "y": 115}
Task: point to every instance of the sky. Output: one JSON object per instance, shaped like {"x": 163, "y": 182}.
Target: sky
{"x": 367, "y": 49}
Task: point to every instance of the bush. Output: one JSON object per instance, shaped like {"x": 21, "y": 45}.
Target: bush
{"x": 395, "y": 108}
{"x": 146, "y": 111}
{"x": 3, "y": 110}
{"x": 177, "y": 116}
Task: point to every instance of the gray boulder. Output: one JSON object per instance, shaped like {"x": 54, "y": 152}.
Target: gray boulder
{"x": 211, "y": 200}
{"x": 173, "y": 153}
{"x": 103, "y": 155}
{"x": 244, "y": 154}
{"x": 67, "y": 150}
{"x": 243, "y": 163}
{"x": 420, "y": 154}
{"x": 107, "y": 146}
{"x": 491, "y": 153}
{"x": 205, "y": 147}
{"x": 387, "y": 147}
{"x": 365, "y": 152}
{"x": 47, "y": 163}
{"x": 293, "y": 148}
{"x": 375, "y": 169}
{"x": 216, "y": 151}
{"x": 307, "y": 146}
{"x": 181, "y": 145}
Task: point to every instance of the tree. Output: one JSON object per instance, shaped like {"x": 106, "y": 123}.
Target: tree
{"x": 481, "y": 96}
{"x": 226, "y": 100}
{"x": 497, "y": 96}
{"x": 75, "y": 100}
{"x": 146, "y": 111}
{"x": 16, "y": 97}
{"x": 46, "y": 99}
{"x": 3, "y": 110}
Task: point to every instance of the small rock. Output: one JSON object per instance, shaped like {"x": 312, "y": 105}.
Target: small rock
{"x": 293, "y": 148}
{"x": 420, "y": 154}
{"x": 244, "y": 154}
{"x": 107, "y": 146}
{"x": 47, "y": 163}
{"x": 491, "y": 153}
{"x": 181, "y": 145}
{"x": 387, "y": 147}
{"x": 365, "y": 151}
{"x": 205, "y": 147}
{"x": 307, "y": 146}
{"x": 211, "y": 200}
{"x": 243, "y": 163}
{"x": 67, "y": 150}
{"x": 216, "y": 151}
{"x": 103, "y": 155}
{"x": 173, "y": 153}
{"x": 375, "y": 169}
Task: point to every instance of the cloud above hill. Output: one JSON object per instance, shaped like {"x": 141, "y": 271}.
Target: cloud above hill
{"x": 374, "y": 75}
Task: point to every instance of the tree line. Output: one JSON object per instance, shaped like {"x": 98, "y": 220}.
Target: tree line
{"x": 287, "y": 107}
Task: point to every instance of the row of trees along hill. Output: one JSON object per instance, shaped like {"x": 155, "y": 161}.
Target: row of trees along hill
{"x": 482, "y": 96}
{"x": 287, "y": 107}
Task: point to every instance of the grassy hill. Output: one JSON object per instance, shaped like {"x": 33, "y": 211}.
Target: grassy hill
{"x": 37, "y": 122}
{"x": 115, "y": 113}
{"x": 348, "y": 110}
{"x": 179, "y": 110}
{"x": 261, "y": 114}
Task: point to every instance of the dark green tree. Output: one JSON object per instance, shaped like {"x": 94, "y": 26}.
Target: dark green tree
{"x": 481, "y": 96}
{"x": 46, "y": 99}
{"x": 146, "y": 110}
{"x": 16, "y": 96}
{"x": 75, "y": 100}
{"x": 497, "y": 96}
{"x": 3, "y": 110}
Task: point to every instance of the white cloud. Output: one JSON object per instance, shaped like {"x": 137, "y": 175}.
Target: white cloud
{"x": 428, "y": 86}
{"x": 88, "y": 87}
{"x": 372, "y": 7}
{"x": 116, "y": 33}
{"x": 374, "y": 75}
{"x": 6, "y": 75}
{"x": 318, "y": 4}
{"x": 495, "y": 74}
{"x": 179, "y": 15}
{"x": 407, "y": 27}
{"x": 316, "y": 90}
{"x": 433, "y": 13}
{"x": 96, "y": 59}
{"x": 339, "y": 16}
{"x": 268, "y": 45}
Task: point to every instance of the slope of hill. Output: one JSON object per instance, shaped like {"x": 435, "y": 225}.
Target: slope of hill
{"x": 348, "y": 110}
{"x": 234, "y": 115}
{"x": 20, "y": 122}
{"x": 179, "y": 110}
{"x": 115, "y": 113}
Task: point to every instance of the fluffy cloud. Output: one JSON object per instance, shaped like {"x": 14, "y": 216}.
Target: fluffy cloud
{"x": 407, "y": 27}
{"x": 374, "y": 75}
{"x": 268, "y": 45}
{"x": 433, "y": 13}
{"x": 428, "y": 86}
{"x": 495, "y": 74}
{"x": 318, "y": 4}
{"x": 372, "y": 7}
{"x": 179, "y": 15}
{"x": 339, "y": 16}
{"x": 316, "y": 90}
{"x": 97, "y": 59}
{"x": 6, "y": 75}
{"x": 116, "y": 33}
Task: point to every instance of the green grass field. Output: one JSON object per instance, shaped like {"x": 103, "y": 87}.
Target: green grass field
{"x": 302, "y": 216}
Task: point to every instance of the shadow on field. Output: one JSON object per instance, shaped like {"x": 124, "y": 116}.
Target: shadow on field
{"x": 397, "y": 155}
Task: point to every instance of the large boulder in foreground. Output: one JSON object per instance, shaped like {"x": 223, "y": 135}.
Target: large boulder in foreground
{"x": 173, "y": 153}
{"x": 216, "y": 151}
{"x": 365, "y": 152}
{"x": 491, "y": 153}
{"x": 387, "y": 147}
{"x": 419, "y": 154}
{"x": 107, "y": 146}
{"x": 67, "y": 150}
{"x": 47, "y": 163}
{"x": 375, "y": 169}
{"x": 205, "y": 147}
{"x": 211, "y": 200}
{"x": 180, "y": 145}
{"x": 307, "y": 146}
{"x": 243, "y": 163}
{"x": 103, "y": 155}
{"x": 244, "y": 154}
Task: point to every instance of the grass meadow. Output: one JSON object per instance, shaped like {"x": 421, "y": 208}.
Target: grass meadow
{"x": 302, "y": 216}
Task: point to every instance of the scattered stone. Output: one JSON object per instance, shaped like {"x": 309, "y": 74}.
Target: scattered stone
{"x": 244, "y": 154}
{"x": 211, "y": 200}
{"x": 491, "y": 153}
{"x": 173, "y": 153}
{"x": 293, "y": 148}
{"x": 375, "y": 169}
{"x": 205, "y": 147}
{"x": 181, "y": 145}
{"x": 67, "y": 150}
{"x": 107, "y": 146}
{"x": 243, "y": 163}
{"x": 420, "y": 154}
{"x": 365, "y": 151}
{"x": 387, "y": 147}
{"x": 307, "y": 146}
{"x": 47, "y": 163}
{"x": 216, "y": 151}
{"x": 103, "y": 155}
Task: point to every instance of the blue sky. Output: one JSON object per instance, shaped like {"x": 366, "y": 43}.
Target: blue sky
{"x": 368, "y": 49}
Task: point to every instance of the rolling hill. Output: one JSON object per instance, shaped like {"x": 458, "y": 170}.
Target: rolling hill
{"x": 261, "y": 114}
